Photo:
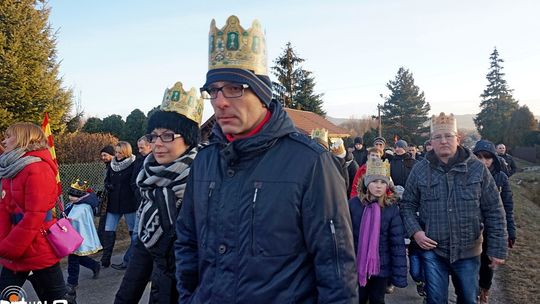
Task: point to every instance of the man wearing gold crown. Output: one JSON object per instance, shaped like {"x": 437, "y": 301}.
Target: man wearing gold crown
{"x": 265, "y": 216}
{"x": 456, "y": 198}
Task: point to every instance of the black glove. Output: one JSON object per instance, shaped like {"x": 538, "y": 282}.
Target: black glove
{"x": 511, "y": 242}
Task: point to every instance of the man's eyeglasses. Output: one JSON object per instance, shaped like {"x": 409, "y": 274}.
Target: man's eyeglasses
{"x": 228, "y": 91}
{"x": 446, "y": 137}
{"x": 165, "y": 137}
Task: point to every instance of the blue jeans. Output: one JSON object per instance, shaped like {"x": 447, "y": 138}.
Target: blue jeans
{"x": 415, "y": 262}
{"x": 464, "y": 274}
{"x": 74, "y": 263}
{"x": 113, "y": 218}
{"x": 112, "y": 222}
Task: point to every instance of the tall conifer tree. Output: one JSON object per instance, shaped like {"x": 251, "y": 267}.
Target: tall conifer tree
{"x": 497, "y": 103}
{"x": 29, "y": 81}
{"x": 405, "y": 111}
{"x": 296, "y": 86}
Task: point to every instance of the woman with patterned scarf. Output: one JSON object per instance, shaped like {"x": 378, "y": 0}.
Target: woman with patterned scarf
{"x": 28, "y": 196}
{"x": 174, "y": 136}
{"x": 121, "y": 199}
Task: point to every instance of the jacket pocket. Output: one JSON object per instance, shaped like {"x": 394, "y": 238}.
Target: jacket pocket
{"x": 275, "y": 219}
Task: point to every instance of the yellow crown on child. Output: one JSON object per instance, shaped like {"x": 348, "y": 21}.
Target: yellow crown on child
{"x": 235, "y": 47}
{"x": 445, "y": 123}
{"x": 80, "y": 185}
{"x": 377, "y": 169}
{"x": 189, "y": 104}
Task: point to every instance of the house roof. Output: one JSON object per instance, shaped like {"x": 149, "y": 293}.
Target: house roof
{"x": 304, "y": 121}
{"x": 307, "y": 121}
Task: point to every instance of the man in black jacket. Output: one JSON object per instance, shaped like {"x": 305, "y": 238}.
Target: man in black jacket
{"x": 360, "y": 152}
{"x": 511, "y": 167}
{"x": 264, "y": 216}
{"x": 401, "y": 164}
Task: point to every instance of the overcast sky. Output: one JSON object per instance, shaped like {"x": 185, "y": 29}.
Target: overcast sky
{"x": 121, "y": 55}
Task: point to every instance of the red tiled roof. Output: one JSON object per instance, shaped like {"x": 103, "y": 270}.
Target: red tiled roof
{"x": 307, "y": 121}
{"x": 304, "y": 121}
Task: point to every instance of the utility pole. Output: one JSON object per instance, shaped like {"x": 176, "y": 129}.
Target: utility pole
{"x": 380, "y": 119}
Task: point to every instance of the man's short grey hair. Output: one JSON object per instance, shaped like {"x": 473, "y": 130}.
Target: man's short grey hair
{"x": 143, "y": 138}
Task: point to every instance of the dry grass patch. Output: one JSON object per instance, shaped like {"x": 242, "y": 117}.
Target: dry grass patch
{"x": 520, "y": 277}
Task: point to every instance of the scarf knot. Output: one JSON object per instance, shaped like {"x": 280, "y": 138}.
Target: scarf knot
{"x": 162, "y": 189}
{"x": 368, "y": 260}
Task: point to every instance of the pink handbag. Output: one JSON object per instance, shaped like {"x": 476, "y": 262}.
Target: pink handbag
{"x": 64, "y": 239}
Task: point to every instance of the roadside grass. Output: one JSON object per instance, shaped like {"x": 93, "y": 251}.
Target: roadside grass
{"x": 520, "y": 276}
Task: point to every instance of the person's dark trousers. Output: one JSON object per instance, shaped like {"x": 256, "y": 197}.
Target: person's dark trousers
{"x": 464, "y": 274}
{"x": 486, "y": 272}
{"x": 136, "y": 276}
{"x": 48, "y": 282}
{"x": 374, "y": 291}
{"x": 74, "y": 261}
{"x": 109, "y": 238}
{"x": 164, "y": 279}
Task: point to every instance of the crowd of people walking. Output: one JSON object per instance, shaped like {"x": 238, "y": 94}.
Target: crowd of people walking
{"x": 261, "y": 213}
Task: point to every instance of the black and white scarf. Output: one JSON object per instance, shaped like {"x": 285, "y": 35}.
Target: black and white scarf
{"x": 162, "y": 189}
{"x": 13, "y": 162}
{"x": 118, "y": 166}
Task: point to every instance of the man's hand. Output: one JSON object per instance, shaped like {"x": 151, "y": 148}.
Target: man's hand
{"x": 423, "y": 241}
{"x": 495, "y": 262}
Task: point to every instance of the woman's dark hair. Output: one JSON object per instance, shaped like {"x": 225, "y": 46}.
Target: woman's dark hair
{"x": 177, "y": 123}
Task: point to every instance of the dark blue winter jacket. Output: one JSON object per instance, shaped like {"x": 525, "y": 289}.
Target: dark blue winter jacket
{"x": 265, "y": 220}
{"x": 392, "y": 256}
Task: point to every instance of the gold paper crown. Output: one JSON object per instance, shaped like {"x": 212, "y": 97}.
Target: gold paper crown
{"x": 443, "y": 123}
{"x": 80, "y": 185}
{"x": 377, "y": 167}
{"x": 337, "y": 147}
{"x": 188, "y": 104}
{"x": 234, "y": 47}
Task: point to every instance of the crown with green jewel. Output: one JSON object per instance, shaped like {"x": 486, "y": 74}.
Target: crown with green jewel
{"x": 232, "y": 46}
{"x": 189, "y": 104}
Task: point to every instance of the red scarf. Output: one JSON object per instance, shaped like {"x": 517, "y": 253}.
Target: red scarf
{"x": 256, "y": 130}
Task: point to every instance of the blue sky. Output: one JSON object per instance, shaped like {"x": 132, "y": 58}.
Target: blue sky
{"x": 121, "y": 55}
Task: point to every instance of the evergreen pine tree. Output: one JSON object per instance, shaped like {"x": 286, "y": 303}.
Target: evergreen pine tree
{"x": 295, "y": 86}
{"x": 114, "y": 124}
{"x": 135, "y": 127}
{"x": 522, "y": 124}
{"x": 29, "y": 81}
{"x": 405, "y": 111}
{"x": 93, "y": 125}
{"x": 497, "y": 103}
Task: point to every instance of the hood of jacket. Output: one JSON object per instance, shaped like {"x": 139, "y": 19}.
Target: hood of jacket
{"x": 489, "y": 147}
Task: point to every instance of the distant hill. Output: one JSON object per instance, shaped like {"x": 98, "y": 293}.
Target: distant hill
{"x": 464, "y": 121}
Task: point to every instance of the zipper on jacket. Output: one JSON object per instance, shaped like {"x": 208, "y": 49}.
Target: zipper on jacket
{"x": 210, "y": 192}
{"x": 336, "y": 251}
{"x": 253, "y": 203}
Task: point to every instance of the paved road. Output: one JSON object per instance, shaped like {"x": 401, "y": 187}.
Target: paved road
{"x": 103, "y": 290}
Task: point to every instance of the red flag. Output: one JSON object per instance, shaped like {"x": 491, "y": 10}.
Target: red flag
{"x": 46, "y": 127}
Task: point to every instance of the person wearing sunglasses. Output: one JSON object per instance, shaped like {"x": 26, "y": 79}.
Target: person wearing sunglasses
{"x": 450, "y": 199}
{"x": 173, "y": 133}
{"x": 265, "y": 216}
{"x": 486, "y": 153}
